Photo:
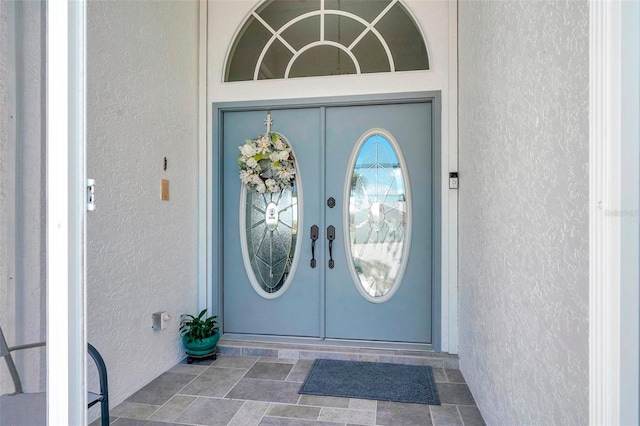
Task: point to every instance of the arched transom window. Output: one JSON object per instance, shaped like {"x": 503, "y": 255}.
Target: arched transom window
{"x": 304, "y": 38}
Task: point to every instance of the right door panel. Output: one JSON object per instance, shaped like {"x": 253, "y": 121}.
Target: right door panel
{"x": 371, "y": 248}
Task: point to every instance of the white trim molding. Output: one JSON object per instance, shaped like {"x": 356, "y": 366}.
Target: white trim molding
{"x": 58, "y": 309}
{"x": 604, "y": 197}
{"x": 66, "y": 188}
{"x": 204, "y": 217}
{"x": 450, "y": 208}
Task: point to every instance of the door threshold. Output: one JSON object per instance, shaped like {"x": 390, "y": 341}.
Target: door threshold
{"x": 294, "y": 348}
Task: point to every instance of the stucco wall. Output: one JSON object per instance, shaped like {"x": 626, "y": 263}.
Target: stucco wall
{"x": 523, "y": 271}
{"x": 22, "y": 186}
{"x": 4, "y": 137}
{"x": 142, "y": 252}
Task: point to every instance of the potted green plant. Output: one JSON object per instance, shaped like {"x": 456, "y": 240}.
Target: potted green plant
{"x": 199, "y": 335}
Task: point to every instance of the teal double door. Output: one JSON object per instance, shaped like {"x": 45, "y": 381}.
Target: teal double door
{"x": 347, "y": 252}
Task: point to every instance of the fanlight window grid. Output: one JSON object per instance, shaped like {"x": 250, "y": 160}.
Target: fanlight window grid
{"x": 378, "y": 217}
{"x": 268, "y": 237}
{"x": 285, "y": 39}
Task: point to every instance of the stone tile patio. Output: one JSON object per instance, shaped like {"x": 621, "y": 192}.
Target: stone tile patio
{"x": 243, "y": 390}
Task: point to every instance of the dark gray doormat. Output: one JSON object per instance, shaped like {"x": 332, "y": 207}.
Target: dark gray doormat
{"x": 371, "y": 380}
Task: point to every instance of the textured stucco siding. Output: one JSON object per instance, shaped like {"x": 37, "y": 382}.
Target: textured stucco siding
{"x": 142, "y": 252}
{"x": 4, "y": 140}
{"x": 22, "y": 186}
{"x": 523, "y": 221}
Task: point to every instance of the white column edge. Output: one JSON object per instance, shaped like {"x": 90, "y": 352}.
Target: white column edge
{"x": 66, "y": 178}
{"x": 204, "y": 264}
{"x": 57, "y": 213}
{"x": 77, "y": 211}
{"x": 604, "y": 196}
{"x": 452, "y": 198}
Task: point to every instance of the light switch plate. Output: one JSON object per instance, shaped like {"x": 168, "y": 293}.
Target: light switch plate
{"x": 164, "y": 191}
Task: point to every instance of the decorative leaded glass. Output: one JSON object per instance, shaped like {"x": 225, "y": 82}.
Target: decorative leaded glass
{"x": 378, "y": 217}
{"x": 271, "y": 228}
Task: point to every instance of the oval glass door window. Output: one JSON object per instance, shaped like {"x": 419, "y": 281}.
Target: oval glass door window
{"x": 378, "y": 217}
{"x": 269, "y": 229}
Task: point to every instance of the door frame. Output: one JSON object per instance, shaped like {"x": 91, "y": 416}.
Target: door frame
{"x": 214, "y": 202}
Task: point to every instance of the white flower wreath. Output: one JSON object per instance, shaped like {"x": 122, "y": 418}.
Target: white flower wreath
{"x": 266, "y": 164}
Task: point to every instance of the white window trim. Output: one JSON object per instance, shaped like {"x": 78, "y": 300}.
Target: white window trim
{"x": 369, "y": 27}
{"x": 277, "y": 35}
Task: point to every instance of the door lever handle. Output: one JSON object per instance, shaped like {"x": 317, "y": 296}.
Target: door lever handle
{"x": 331, "y": 235}
{"x": 314, "y": 237}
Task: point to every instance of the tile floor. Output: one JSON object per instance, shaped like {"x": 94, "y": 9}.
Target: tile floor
{"x": 252, "y": 390}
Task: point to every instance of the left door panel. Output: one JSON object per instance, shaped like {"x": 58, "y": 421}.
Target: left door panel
{"x": 296, "y": 311}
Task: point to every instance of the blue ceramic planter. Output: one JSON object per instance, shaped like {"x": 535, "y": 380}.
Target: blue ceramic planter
{"x": 202, "y": 347}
